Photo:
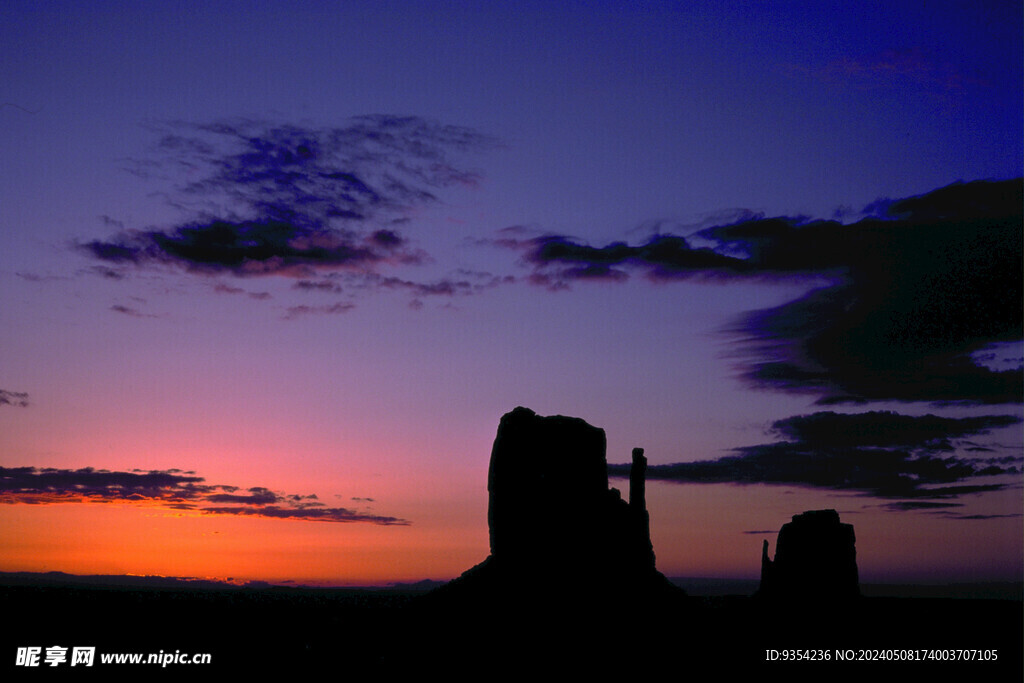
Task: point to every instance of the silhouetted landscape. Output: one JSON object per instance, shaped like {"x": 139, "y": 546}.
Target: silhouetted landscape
{"x": 276, "y": 276}
{"x": 570, "y": 585}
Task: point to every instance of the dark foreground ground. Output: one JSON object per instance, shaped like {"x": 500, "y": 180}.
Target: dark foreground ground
{"x": 348, "y": 633}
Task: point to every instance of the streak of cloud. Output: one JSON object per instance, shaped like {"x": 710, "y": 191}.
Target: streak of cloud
{"x": 878, "y": 454}
{"x": 171, "y": 489}
{"x": 18, "y": 399}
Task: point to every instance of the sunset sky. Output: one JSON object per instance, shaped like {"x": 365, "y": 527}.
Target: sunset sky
{"x": 272, "y": 272}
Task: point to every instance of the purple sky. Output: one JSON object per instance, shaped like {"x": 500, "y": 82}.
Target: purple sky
{"x": 321, "y": 250}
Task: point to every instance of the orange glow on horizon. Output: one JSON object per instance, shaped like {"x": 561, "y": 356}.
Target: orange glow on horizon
{"x": 125, "y": 538}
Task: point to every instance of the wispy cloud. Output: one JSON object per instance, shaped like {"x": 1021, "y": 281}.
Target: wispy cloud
{"x": 18, "y": 399}
{"x": 326, "y": 309}
{"x": 171, "y": 489}
{"x": 264, "y": 199}
{"x": 129, "y": 311}
{"x": 222, "y": 288}
{"x": 349, "y": 285}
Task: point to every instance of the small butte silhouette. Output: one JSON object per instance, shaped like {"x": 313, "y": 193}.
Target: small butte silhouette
{"x": 815, "y": 559}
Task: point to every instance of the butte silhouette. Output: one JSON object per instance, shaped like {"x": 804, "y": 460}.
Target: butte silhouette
{"x": 558, "y": 533}
{"x": 815, "y": 560}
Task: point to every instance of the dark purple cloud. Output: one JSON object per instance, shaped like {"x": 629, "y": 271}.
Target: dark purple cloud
{"x": 106, "y": 272}
{"x": 171, "y": 489}
{"x": 222, "y": 288}
{"x": 913, "y": 297}
{"x": 914, "y": 505}
{"x": 250, "y": 247}
{"x": 328, "y": 309}
{"x": 18, "y": 399}
{"x": 256, "y": 496}
{"x": 461, "y": 283}
{"x": 886, "y": 429}
{"x": 127, "y": 310}
{"x": 880, "y": 454}
{"x": 36, "y": 485}
{"x": 318, "y": 286}
{"x": 308, "y": 514}
{"x": 282, "y": 199}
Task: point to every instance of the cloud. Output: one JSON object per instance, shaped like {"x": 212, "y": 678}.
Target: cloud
{"x": 169, "y": 489}
{"x": 328, "y": 309}
{"x": 911, "y": 296}
{"x": 245, "y": 248}
{"x": 267, "y": 199}
{"x": 256, "y": 496}
{"x": 948, "y": 510}
{"x": 461, "y": 283}
{"x": 881, "y": 454}
{"x": 664, "y": 257}
{"x": 464, "y": 282}
{"x": 318, "y": 286}
{"x": 106, "y": 272}
{"x": 905, "y": 505}
{"x": 309, "y": 514}
{"x": 222, "y": 288}
{"x": 39, "y": 485}
{"x": 18, "y": 399}
{"x": 885, "y": 429}
{"x": 128, "y": 310}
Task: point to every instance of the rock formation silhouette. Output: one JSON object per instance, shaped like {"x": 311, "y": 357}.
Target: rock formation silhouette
{"x": 815, "y": 559}
{"x": 556, "y": 528}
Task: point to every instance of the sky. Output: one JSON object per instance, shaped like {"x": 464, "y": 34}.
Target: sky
{"x": 272, "y": 273}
